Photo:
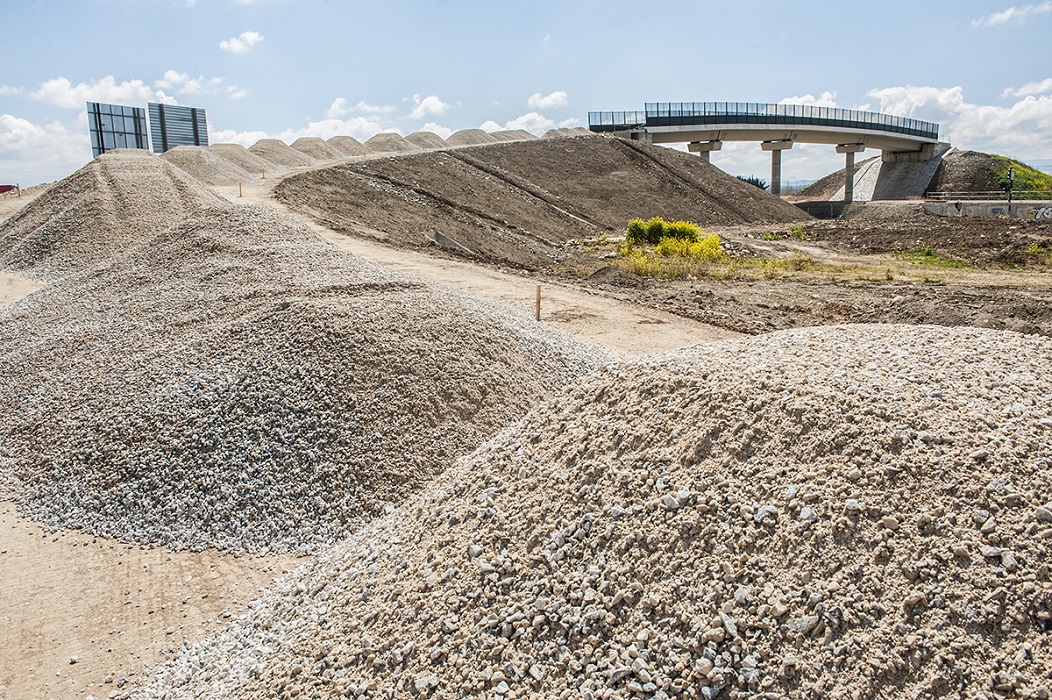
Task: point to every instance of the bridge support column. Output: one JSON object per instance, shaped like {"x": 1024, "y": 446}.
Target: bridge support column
{"x": 776, "y": 148}
{"x": 849, "y": 150}
{"x": 704, "y": 148}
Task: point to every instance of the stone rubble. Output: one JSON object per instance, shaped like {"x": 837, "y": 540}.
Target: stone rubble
{"x": 837, "y": 512}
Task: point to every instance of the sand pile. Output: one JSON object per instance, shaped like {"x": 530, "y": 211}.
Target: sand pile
{"x": 390, "y": 143}
{"x": 241, "y": 157}
{"x": 279, "y": 153}
{"x": 426, "y": 140}
{"x": 116, "y": 201}
{"x": 239, "y": 383}
{"x": 316, "y": 148}
{"x": 470, "y": 137}
{"x": 512, "y": 135}
{"x": 206, "y": 165}
{"x": 561, "y": 133}
{"x": 843, "y": 512}
{"x": 349, "y": 146}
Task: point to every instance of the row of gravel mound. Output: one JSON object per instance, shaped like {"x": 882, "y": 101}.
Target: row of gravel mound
{"x": 237, "y": 382}
{"x": 243, "y": 158}
{"x": 838, "y": 512}
{"x": 206, "y": 165}
{"x": 470, "y": 137}
{"x": 118, "y": 200}
{"x": 390, "y": 143}
{"x": 317, "y": 148}
{"x": 280, "y": 153}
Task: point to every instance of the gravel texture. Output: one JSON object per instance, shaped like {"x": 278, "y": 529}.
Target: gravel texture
{"x": 206, "y": 165}
{"x": 839, "y": 512}
{"x": 236, "y": 382}
{"x": 349, "y": 146}
{"x": 469, "y": 137}
{"x": 116, "y": 201}
{"x": 242, "y": 158}
{"x": 426, "y": 140}
{"x": 279, "y": 153}
{"x": 317, "y": 148}
{"x": 512, "y": 135}
{"x": 390, "y": 143}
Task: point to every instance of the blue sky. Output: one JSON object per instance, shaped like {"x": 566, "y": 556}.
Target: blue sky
{"x": 291, "y": 68}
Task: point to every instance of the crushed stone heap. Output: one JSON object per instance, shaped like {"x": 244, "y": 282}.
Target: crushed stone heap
{"x": 206, "y": 165}
{"x": 279, "y": 153}
{"x": 239, "y": 383}
{"x": 837, "y": 512}
{"x": 118, "y": 200}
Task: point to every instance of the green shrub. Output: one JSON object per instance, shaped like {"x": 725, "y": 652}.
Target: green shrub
{"x": 652, "y": 231}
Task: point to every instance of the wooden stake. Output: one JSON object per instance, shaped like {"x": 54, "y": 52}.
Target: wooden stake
{"x": 538, "y": 302}
{"x": 240, "y": 192}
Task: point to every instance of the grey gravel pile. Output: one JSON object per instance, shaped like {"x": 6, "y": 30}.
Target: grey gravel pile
{"x": 206, "y": 165}
{"x": 839, "y": 512}
{"x": 241, "y": 157}
{"x": 469, "y": 137}
{"x": 390, "y": 143}
{"x": 316, "y": 148}
{"x": 279, "y": 153}
{"x": 426, "y": 140}
{"x": 239, "y": 383}
{"x": 349, "y": 146}
{"x": 113, "y": 203}
{"x": 513, "y": 135}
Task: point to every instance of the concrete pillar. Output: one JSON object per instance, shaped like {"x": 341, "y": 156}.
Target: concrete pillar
{"x": 776, "y": 148}
{"x": 849, "y": 150}
{"x": 704, "y": 148}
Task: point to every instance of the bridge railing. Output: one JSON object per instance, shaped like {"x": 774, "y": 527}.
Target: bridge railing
{"x": 759, "y": 113}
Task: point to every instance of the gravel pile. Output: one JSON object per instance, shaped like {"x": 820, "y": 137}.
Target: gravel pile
{"x": 317, "y": 148}
{"x": 512, "y": 135}
{"x": 206, "y": 165}
{"x": 426, "y": 140}
{"x": 349, "y": 146}
{"x": 116, "y": 201}
{"x": 242, "y": 158}
{"x": 390, "y": 143}
{"x": 839, "y": 512}
{"x": 239, "y": 383}
{"x": 566, "y": 133}
{"x": 279, "y": 153}
{"x": 469, "y": 137}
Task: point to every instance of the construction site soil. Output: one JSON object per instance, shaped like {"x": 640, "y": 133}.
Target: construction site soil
{"x": 494, "y": 508}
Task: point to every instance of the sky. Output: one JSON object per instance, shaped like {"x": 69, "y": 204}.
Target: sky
{"x": 291, "y": 68}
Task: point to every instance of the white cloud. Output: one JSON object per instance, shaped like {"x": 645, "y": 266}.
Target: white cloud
{"x": 235, "y": 93}
{"x": 182, "y": 83}
{"x": 427, "y": 106}
{"x": 1038, "y": 88}
{"x": 9, "y": 90}
{"x": 361, "y": 128}
{"x": 62, "y": 93}
{"x": 339, "y": 108}
{"x": 437, "y": 129}
{"x": 826, "y": 99}
{"x": 1022, "y": 130}
{"x": 242, "y": 43}
{"x": 532, "y": 122}
{"x": 555, "y": 99}
{"x": 570, "y": 123}
{"x": 34, "y": 153}
{"x": 1012, "y": 13}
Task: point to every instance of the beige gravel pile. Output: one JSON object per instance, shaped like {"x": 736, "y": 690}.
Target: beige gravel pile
{"x": 317, "y": 148}
{"x": 512, "y": 135}
{"x": 279, "y": 153}
{"x": 241, "y": 157}
{"x": 564, "y": 133}
{"x": 426, "y": 140}
{"x": 838, "y": 512}
{"x": 237, "y": 382}
{"x": 349, "y": 146}
{"x": 206, "y": 165}
{"x": 469, "y": 137}
{"x": 390, "y": 143}
{"x": 116, "y": 201}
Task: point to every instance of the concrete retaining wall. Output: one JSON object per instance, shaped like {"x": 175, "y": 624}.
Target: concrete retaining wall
{"x": 1034, "y": 211}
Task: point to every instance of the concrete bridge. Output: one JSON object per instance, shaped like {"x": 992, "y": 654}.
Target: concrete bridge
{"x": 704, "y": 126}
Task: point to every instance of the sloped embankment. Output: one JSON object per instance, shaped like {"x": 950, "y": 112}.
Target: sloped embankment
{"x": 238, "y": 383}
{"x": 520, "y": 202}
{"x": 854, "y": 511}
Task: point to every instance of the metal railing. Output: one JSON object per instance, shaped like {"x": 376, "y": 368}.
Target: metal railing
{"x": 759, "y": 113}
